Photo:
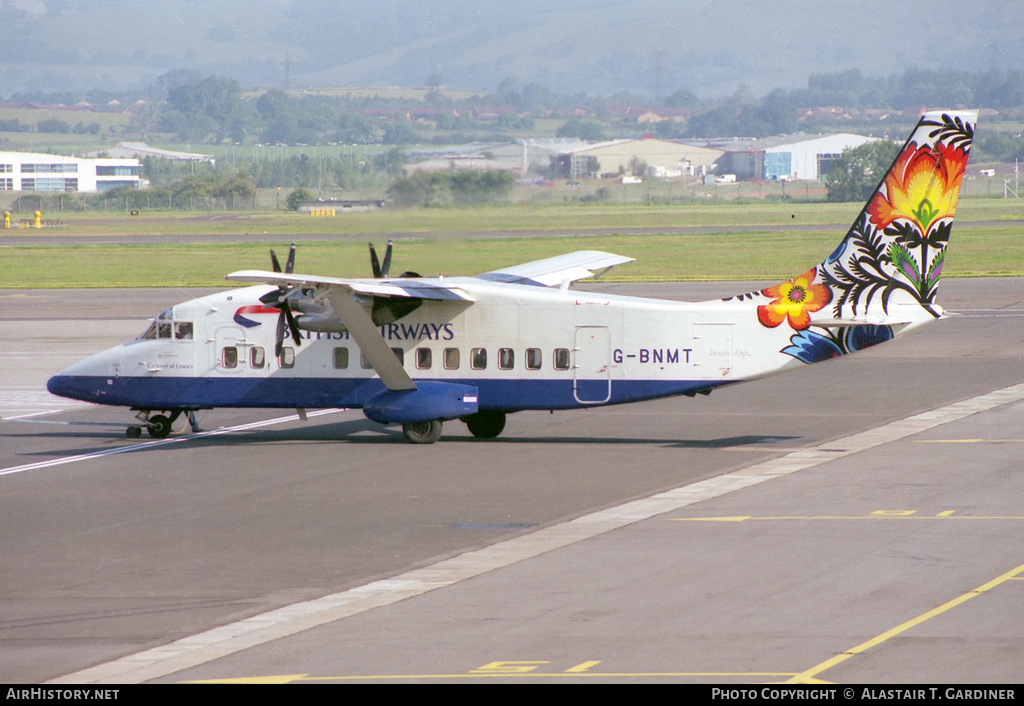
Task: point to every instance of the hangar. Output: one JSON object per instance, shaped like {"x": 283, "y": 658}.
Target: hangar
{"x": 786, "y": 157}
{"x": 660, "y": 157}
{"x": 28, "y": 171}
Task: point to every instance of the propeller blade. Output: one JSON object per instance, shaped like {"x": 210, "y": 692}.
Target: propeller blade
{"x": 374, "y": 262}
{"x": 282, "y": 322}
{"x": 289, "y": 266}
{"x": 292, "y": 325}
{"x": 386, "y": 267}
{"x": 279, "y": 298}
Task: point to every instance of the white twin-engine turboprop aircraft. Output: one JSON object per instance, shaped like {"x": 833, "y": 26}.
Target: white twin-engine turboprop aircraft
{"x": 417, "y": 351}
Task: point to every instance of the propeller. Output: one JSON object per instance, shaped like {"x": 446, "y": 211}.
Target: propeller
{"x": 381, "y": 271}
{"x": 281, "y": 298}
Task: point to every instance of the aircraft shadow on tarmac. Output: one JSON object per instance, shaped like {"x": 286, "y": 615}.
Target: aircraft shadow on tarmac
{"x": 364, "y": 431}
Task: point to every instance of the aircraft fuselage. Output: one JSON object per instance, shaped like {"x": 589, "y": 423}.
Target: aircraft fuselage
{"x": 522, "y": 347}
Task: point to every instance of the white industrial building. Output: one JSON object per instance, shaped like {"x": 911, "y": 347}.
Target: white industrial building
{"x": 619, "y": 156}
{"x": 809, "y": 158}
{"x": 27, "y": 171}
{"x": 785, "y": 156}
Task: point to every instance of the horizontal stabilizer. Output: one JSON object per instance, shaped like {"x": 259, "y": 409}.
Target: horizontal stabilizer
{"x": 862, "y": 321}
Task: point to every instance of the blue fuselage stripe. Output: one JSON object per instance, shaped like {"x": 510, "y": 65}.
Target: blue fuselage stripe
{"x": 200, "y": 393}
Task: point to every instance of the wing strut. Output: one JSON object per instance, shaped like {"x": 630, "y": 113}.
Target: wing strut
{"x": 367, "y": 335}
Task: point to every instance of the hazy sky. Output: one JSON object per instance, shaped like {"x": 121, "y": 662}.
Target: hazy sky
{"x": 594, "y": 46}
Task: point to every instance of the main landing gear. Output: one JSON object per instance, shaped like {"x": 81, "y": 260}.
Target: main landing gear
{"x": 483, "y": 425}
{"x": 486, "y": 424}
{"x": 159, "y": 425}
{"x": 422, "y": 432}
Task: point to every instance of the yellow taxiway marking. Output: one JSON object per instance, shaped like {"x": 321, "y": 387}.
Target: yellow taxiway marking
{"x": 969, "y": 441}
{"x": 503, "y": 668}
{"x": 275, "y": 679}
{"x": 877, "y": 515}
{"x": 810, "y": 674}
{"x": 285, "y": 679}
{"x": 583, "y": 667}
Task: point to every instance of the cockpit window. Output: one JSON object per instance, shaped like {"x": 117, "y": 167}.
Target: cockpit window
{"x": 165, "y": 327}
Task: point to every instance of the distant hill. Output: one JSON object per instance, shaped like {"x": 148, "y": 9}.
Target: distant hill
{"x": 600, "y": 47}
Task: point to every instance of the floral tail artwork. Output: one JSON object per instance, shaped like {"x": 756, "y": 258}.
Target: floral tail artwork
{"x": 884, "y": 275}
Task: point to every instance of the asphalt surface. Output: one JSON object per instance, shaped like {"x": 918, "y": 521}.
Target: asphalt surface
{"x": 112, "y": 547}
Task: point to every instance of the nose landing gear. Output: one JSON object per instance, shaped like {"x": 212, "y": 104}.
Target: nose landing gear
{"x": 158, "y": 425}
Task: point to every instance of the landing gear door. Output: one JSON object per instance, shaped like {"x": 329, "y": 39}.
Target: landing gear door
{"x": 592, "y": 365}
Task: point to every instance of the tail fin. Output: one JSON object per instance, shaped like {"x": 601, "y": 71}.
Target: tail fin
{"x": 885, "y": 273}
{"x": 897, "y": 244}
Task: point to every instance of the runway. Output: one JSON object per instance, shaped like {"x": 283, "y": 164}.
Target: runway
{"x": 31, "y": 238}
{"x": 835, "y": 523}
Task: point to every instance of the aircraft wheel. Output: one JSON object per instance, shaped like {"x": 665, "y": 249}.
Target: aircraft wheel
{"x": 485, "y": 425}
{"x": 422, "y": 432}
{"x": 133, "y": 432}
{"x": 159, "y": 427}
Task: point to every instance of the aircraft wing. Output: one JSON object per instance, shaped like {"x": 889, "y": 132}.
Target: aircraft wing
{"x": 341, "y": 293}
{"x": 412, "y": 288}
{"x": 555, "y": 271}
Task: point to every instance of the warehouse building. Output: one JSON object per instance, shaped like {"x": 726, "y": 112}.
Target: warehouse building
{"x": 785, "y": 157}
{"x": 27, "y": 171}
{"x": 623, "y": 156}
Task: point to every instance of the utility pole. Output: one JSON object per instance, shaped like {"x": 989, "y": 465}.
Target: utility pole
{"x": 658, "y": 55}
{"x": 287, "y": 64}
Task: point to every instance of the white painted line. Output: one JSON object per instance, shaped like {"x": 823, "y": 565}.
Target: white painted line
{"x": 291, "y": 619}
{"x": 146, "y": 445}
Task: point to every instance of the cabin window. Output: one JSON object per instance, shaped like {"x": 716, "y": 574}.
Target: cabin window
{"x": 561, "y": 359}
{"x": 424, "y": 357}
{"x": 451, "y": 359}
{"x": 534, "y": 358}
{"x": 478, "y": 359}
{"x": 257, "y": 357}
{"x": 287, "y": 357}
{"x": 229, "y": 357}
{"x": 506, "y": 358}
{"x": 183, "y": 330}
{"x": 163, "y": 329}
{"x": 365, "y": 363}
{"x": 341, "y": 358}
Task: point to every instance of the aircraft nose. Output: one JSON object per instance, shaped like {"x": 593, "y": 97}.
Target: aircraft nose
{"x": 57, "y": 385}
{"x": 73, "y": 387}
{"x": 85, "y": 380}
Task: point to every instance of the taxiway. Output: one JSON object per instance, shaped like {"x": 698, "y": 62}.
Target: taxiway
{"x": 834, "y": 523}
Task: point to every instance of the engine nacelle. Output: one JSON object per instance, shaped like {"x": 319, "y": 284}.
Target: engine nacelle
{"x": 430, "y": 401}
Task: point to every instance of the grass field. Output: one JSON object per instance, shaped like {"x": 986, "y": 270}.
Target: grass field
{"x": 468, "y": 241}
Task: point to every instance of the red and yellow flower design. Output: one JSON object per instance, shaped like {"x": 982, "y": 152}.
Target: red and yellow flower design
{"x": 922, "y": 186}
{"x": 794, "y": 301}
